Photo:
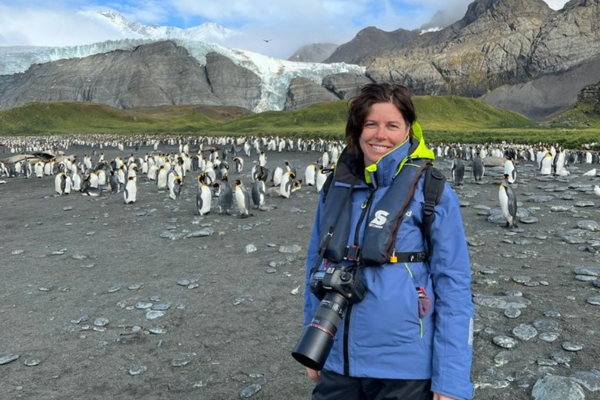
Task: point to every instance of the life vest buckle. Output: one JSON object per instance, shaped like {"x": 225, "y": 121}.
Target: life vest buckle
{"x": 352, "y": 253}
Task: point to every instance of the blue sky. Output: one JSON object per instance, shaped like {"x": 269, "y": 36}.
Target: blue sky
{"x": 288, "y": 23}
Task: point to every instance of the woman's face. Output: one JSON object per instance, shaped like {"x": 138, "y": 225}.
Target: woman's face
{"x": 383, "y": 130}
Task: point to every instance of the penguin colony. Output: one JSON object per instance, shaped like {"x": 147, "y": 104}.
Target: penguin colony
{"x": 202, "y": 164}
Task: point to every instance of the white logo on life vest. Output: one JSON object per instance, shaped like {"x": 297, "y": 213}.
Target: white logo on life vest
{"x": 408, "y": 213}
{"x": 379, "y": 220}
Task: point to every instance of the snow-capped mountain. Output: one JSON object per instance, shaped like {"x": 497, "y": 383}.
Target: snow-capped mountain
{"x": 206, "y": 32}
{"x": 275, "y": 74}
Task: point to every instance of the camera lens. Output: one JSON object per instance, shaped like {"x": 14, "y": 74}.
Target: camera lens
{"x": 315, "y": 343}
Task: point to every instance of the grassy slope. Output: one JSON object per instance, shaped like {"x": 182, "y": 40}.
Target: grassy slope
{"x": 448, "y": 118}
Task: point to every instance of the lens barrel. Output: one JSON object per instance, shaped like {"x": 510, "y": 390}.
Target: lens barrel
{"x": 314, "y": 345}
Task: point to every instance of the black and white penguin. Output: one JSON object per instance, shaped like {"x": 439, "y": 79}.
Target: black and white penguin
{"x": 242, "y": 199}
{"x": 458, "y": 171}
{"x": 287, "y": 184}
{"x": 130, "y": 193}
{"x": 225, "y": 200}
{"x": 174, "y": 183}
{"x": 310, "y": 174}
{"x": 161, "y": 178}
{"x": 258, "y": 194}
{"x": 509, "y": 170}
{"x": 508, "y": 203}
{"x": 59, "y": 183}
{"x": 88, "y": 190}
{"x": 203, "y": 195}
{"x": 478, "y": 168}
{"x": 239, "y": 164}
{"x": 115, "y": 186}
{"x": 277, "y": 176}
{"x": 546, "y": 164}
{"x": 321, "y": 178}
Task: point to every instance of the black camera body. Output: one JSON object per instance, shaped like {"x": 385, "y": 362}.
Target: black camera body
{"x": 337, "y": 287}
{"x": 339, "y": 279}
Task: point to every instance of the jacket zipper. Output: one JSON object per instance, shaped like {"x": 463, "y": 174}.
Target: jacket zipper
{"x": 366, "y": 205}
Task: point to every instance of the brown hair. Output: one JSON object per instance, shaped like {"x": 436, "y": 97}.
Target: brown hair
{"x": 372, "y": 93}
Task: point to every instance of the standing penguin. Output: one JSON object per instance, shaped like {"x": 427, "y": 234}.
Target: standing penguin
{"x": 277, "y": 176}
{"x": 458, "y": 171}
{"x": 321, "y": 178}
{"x": 509, "y": 170}
{"x": 130, "y": 193}
{"x": 239, "y": 164}
{"x": 203, "y": 196}
{"x": 174, "y": 185}
{"x": 113, "y": 180}
{"x": 546, "y": 164}
{"x": 225, "y": 196}
{"x": 478, "y": 168}
{"x": 508, "y": 203}
{"x": 59, "y": 183}
{"x": 309, "y": 174}
{"x": 258, "y": 194}
{"x": 161, "y": 179}
{"x": 287, "y": 184}
{"x": 242, "y": 199}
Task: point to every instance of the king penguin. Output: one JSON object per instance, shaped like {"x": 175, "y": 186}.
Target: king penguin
{"x": 277, "y": 176}
{"x": 203, "y": 196}
{"x": 478, "y": 168}
{"x": 321, "y": 178}
{"x": 130, "y": 193}
{"x": 509, "y": 170}
{"x": 287, "y": 184}
{"x": 174, "y": 184}
{"x": 258, "y": 194}
{"x": 115, "y": 186}
{"x": 225, "y": 196}
{"x": 508, "y": 203}
{"x": 546, "y": 164}
{"x": 161, "y": 180}
{"x": 239, "y": 164}
{"x": 242, "y": 199}
{"x": 458, "y": 171}
{"x": 59, "y": 183}
{"x": 309, "y": 174}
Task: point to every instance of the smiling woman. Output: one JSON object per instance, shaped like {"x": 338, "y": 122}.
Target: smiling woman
{"x": 401, "y": 310}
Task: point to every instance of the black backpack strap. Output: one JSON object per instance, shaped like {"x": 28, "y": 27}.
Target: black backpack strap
{"x": 433, "y": 187}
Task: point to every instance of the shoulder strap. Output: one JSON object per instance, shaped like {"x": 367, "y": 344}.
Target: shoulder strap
{"x": 433, "y": 187}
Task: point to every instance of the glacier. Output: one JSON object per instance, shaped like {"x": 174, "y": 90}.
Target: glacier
{"x": 275, "y": 74}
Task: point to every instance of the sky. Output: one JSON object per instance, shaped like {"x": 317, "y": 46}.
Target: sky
{"x": 286, "y": 24}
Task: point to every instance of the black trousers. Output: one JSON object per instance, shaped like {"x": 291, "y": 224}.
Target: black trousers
{"x": 333, "y": 386}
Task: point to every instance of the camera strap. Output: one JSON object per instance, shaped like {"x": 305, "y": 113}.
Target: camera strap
{"x": 325, "y": 241}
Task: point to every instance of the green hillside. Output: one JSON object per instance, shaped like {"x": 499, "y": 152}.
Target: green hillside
{"x": 448, "y": 118}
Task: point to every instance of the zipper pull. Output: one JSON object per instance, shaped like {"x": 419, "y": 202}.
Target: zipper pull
{"x": 367, "y": 199}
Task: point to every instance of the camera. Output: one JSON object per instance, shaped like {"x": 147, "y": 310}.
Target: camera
{"x": 337, "y": 287}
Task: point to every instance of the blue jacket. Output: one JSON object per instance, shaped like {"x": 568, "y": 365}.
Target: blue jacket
{"x": 386, "y": 338}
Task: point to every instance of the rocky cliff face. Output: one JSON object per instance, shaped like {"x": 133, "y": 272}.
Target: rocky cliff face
{"x": 550, "y": 94}
{"x": 304, "y": 92}
{"x": 490, "y": 46}
{"x": 361, "y": 49}
{"x": 231, "y": 84}
{"x": 151, "y": 75}
{"x": 591, "y": 95}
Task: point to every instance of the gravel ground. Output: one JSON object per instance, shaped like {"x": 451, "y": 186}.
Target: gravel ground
{"x": 78, "y": 275}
